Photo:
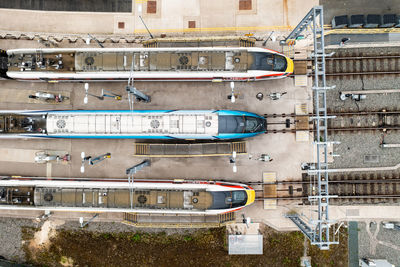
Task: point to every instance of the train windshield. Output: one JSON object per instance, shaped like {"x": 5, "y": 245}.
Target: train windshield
{"x": 254, "y": 124}
{"x": 268, "y": 62}
{"x": 229, "y": 199}
{"x": 3, "y": 64}
{"x": 240, "y": 124}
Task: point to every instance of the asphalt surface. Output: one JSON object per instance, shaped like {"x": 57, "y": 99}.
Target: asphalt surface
{"x": 355, "y": 7}
{"x": 70, "y": 5}
{"x": 371, "y": 235}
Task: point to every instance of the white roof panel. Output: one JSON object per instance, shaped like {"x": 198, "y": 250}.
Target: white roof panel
{"x": 127, "y": 123}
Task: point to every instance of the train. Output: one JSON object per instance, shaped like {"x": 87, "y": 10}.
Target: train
{"x": 144, "y": 64}
{"x": 131, "y": 124}
{"x": 142, "y": 196}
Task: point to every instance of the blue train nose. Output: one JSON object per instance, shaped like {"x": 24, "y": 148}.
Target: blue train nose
{"x": 241, "y": 124}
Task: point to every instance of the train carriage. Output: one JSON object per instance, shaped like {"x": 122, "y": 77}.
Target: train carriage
{"x": 147, "y": 64}
{"x": 142, "y": 196}
{"x": 127, "y": 124}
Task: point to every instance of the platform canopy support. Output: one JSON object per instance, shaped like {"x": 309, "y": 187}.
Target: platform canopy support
{"x": 134, "y": 169}
{"x": 304, "y": 23}
{"x": 130, "y": 172}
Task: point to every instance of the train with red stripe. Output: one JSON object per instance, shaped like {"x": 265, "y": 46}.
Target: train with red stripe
{"x": 121, "y": 195}
{"x": 144, "y": 64}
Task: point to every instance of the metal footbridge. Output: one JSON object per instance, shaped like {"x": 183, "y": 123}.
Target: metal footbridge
{"x": 319, "y": 230}
{"x": 189, "y": 150}
{"x": 178, "y": 220}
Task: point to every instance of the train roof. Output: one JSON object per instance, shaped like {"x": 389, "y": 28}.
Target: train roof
{"x": 165, "y": 195}
{"x": 67, "y": 60}
{"x": 181, "y": 124}
{"x": 127, "y": 123}
{"x": 135, "y": 49}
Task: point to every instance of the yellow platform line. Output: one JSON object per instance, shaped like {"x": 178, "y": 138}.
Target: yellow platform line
{"x": 327, "y": 27}
{"x": 269, "y": 177}
{"x": 218, "y": 29}
{"x": 188, "y": 156}
{"x": 363, "y": 31}
{"x": 175, "y": 225}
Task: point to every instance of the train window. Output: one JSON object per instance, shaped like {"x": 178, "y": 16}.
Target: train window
{"x": 229, "y": 199}
{"x": 254, "y": 124}
{"x": 280, "y": 63}
{"x": 238, "y": 196}
{"x": 231, "y": 124}
{"x": 251, "y": 125}
{"x": 268, "y": 62}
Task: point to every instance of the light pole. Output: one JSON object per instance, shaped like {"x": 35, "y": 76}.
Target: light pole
{"x": 93, "y": 161}
{"x": 85, "y": 99}
{"x": 233, "y": 99}
{"x": 90, "y": 37}
{"x": 232, "y": 160}
{"x": 106, "y": 93}
{"x": 130, "y": 172}
{"x": 86, "y": 223}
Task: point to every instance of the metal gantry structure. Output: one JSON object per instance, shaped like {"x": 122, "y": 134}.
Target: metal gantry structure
{"x": 130, "y": 172}
{"x": 133, "y": 92}
{"x": 320, "y": 232}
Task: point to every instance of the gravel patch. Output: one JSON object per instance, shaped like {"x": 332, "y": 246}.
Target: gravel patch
{"x": 11, "y": 238}
{"x": 380, "y": 251}
{"x": 355, "y": 148}
{"x": 116, "y": 227}
{"x": 364, "y": 150}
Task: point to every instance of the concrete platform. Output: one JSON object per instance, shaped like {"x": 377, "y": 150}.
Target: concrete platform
{"x": 275, "y": 217}
{"x": 354, "y": 7}
{"x": 171, "y": 17}
{"x": 11, "y": 95}
{"x": 362, "y": 38}
{"x": 24, "y": 155}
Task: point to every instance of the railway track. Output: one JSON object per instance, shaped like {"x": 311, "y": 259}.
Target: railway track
{"x": 351, "y": 189}
{"x": 356, "y": 192}
{"x": 342, "y": 122}
{"x": 355, "y": 64}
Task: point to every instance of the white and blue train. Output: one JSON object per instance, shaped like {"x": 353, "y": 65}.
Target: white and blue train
{"x": 137, "y": 124}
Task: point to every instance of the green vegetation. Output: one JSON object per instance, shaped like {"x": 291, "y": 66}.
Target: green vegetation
{"x": 135, "y": 237}
{"x": 199, "y": 248}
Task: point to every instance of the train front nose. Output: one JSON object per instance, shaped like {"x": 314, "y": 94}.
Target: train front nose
{"x": 251, "y": 196}
{"x": 290, "y": 66}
